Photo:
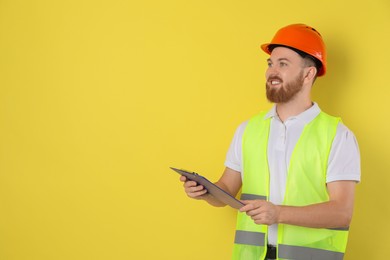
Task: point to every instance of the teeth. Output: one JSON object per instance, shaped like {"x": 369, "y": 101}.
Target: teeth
{"x": 275, "y": 82}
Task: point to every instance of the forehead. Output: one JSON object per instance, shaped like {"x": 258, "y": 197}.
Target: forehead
{"x": 285, "y": 53}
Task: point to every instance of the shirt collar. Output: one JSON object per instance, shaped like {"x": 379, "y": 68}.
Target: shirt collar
{"x": 306, "y": 116}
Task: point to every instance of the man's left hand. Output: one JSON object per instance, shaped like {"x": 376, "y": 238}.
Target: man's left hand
{"x": 261, "y": 211}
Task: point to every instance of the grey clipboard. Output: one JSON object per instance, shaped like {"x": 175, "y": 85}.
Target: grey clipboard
{"x": 211, "y": 188}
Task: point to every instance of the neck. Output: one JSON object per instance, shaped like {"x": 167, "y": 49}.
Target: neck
{"x": 292, "y": 108}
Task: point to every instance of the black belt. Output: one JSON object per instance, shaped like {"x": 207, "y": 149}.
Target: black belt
{"x": 271, "y": 252}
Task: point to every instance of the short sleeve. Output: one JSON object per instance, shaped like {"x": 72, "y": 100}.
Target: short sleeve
{"x": 344, "y": 157}
{"x": 234, "y": 154}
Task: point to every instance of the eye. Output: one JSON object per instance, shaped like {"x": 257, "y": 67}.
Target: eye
{"x": 269, "y": 64}
{"x": 283, "y": 64}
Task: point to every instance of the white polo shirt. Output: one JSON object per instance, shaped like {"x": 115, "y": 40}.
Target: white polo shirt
{"x": 343, "y": 162}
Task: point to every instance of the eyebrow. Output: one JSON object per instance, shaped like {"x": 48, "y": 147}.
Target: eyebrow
{"x": 280, "y": 59}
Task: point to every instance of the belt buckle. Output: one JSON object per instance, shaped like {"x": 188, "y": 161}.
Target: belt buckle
{"x": 271, "y": 252}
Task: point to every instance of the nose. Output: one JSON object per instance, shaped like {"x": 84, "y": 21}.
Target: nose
{"x": 271, "y": 71}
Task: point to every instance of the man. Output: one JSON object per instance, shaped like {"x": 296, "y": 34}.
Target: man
{"x": 296, "y": 165}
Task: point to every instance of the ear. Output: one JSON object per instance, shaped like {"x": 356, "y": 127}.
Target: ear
{"x": 310, "y": 73}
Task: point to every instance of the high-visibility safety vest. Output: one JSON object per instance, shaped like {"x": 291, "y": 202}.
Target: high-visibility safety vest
{"x": 306, "y": 184}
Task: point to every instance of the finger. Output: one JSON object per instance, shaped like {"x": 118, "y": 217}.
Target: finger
{"x": 189, "y": 184}
{"x": 248, "y": 205}
{"x": 197, "y": 193}
{"x": 246, "y": 208}
{"x": 197, "y": 188}
{"x": 183, "y": 178}
{"x": 254, "y": 212}
{"x": 192, "y": 187}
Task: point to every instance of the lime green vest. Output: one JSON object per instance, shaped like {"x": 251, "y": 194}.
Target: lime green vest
{"x": 306, "y": 184}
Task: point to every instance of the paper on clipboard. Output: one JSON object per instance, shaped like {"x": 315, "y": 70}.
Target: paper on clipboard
{"x": 211, "y": 188}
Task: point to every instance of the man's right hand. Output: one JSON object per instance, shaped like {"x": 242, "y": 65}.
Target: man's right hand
{"x": 192, "y": 188}
{"x": 230, "y": 181}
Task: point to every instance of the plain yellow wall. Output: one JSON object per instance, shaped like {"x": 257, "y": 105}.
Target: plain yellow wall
{"x": 99, "y": 98}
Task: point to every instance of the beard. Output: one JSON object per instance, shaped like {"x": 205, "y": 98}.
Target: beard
{"x": 286, "y": 91}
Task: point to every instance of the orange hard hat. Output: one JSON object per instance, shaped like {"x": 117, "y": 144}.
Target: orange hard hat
{"x": 303, "y": 38}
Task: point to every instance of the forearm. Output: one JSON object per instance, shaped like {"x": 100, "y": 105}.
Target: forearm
{"x": 335, "y": 213}
{"x": 324, "y": 215}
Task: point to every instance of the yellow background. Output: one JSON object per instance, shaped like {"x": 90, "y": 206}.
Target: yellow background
{"x": 99, "y": 98}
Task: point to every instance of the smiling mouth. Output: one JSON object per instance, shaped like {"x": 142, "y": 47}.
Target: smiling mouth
{"x": 274, "y": 82}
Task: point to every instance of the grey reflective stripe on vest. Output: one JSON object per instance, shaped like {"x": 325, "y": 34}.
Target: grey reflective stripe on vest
{"x": 306, "y": 253}
{"x": 249, "y": 238}
{"x": 246, "y": 196}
